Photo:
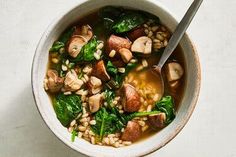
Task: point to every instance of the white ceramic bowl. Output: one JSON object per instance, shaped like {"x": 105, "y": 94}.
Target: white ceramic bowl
{"x": 146, "y": 146}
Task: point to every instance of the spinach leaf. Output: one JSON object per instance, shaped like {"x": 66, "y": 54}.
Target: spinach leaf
{"x": 63, "y": 39}
{"x": 56, "y": 46}
{"x": 107, "y": 15}
{"x": 109, "y": 96}
{"x": 66, "y": 35}
{"x": 67, "y": 107}
{"x": 117, "y": 78}
{"x": 105, "y": 123}
{"x": 128, "y": 21}
{"x": 109, "y": 120}
{"x": 111, "y": 69}
{"x": 87, "y": 52}
{"x": 166, "y": 105}
{"x": 155, "y": 19}
{"x": 110, "y": 12}
{"x": 73, "y": 135}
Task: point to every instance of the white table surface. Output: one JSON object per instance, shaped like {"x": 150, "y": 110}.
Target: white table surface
{"x": 211, "y": 131}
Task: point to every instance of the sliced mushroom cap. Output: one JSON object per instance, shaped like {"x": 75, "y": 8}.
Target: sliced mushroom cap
{"x": 125, "y": 54}
{"x": 75, "y": 45}
{"x": 174, "y": 84}
{"x": 131, "y": 99}
{"x": 132, "y": 131}
{"x": 72, "y": 83}
{"x": 94, "y": 85}
{"x": 142, "y": 45}
{"x": 54, "y": 82}
{"x": 95, "y": 102}
{"x": 157, "y": 121}
{"x": 174, "y": 71}
{"x": 116, "y": 43}
{"x": 85, "y": 31}
{"x": 136, "y": 33}
{"x": 99, "y": 70}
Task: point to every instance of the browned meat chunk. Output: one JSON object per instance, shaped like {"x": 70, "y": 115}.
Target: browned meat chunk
{"x": 157, "y": 121}
{"x": 116, "y": 43}
{"x": 99, "y": 70}
{"x": 131, "y": 99}
{"x": 136, "y": 33}
{"x": 132, "y": 131}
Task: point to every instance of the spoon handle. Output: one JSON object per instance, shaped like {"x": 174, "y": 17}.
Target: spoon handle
{"x": 179, "y": 32}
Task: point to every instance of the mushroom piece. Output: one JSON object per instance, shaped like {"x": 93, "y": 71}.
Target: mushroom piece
{"x": 157, "y": 121}
{"x": 99, "y": 70}
{"x": 174, "y": 84}
{"x": 132, "y": 131}
{"x": 136, "y": 33}
{"x": 125, "y": 54}
{"x": 174, "y": 71}
{"x": 85, "y": 31}
{"x": 95, "y": 102}
{"x": 131, "y": 99}
{"x": 53, "y": 83}
{"x": 116, "y": 43}
{"x": 142, "y": 45}
{"x": 75, "y": 45}
{"x": 94, "y": 85}
{"x": 72, "y": 83}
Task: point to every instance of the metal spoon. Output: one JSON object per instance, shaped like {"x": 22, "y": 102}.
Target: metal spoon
{"x": 175, "y": 38}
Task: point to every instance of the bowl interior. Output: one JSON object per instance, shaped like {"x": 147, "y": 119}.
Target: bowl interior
{"x": 140, "y": 148}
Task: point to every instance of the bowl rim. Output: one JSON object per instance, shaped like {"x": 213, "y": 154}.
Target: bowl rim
{"x": 187, "y": 114}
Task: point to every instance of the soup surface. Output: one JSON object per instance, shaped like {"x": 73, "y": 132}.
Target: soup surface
{"x": 100, "y": 82}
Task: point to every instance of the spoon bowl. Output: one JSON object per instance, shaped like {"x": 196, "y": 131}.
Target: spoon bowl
{"x": 175, "y": 39}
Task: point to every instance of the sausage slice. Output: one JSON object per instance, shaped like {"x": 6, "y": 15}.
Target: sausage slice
{"x": 132, "y": 131}
{"x": 136, "y": 33}
{"x": 157, "y": 121}
{"x": 99, "y": 70}
{"x": 131, "y": 99}
{"x": 116, "y": 43}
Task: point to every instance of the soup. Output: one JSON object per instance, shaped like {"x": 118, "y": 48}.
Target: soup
{"x": 99, "y": 81}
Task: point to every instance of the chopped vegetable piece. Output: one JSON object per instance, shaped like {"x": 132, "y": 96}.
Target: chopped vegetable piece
{"x": 73, "y": 135}
{"x": 67, "y": 107}
{"x": 130, "y": 98}
{"x": 128, "y": 21}
{"x": 106, "y": 123}
{"x": 111, "y": 69}
{"x": 99, "y": 70}
{"x": 166, "y": 105}
{"x": 56, "y": 46}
